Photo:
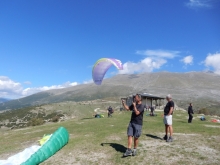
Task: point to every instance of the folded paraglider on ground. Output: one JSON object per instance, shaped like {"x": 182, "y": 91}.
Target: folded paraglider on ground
{"x": 36, "y": 154}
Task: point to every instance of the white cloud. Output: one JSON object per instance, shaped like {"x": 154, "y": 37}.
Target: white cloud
{"x": 146, "y": 65}
{"x": 159, "y": 53}
{"x": 30, "y": 91}
{"x": 154, "y": 60}
{"x": 213, "y": 61}
{"x": 13, "y": 90}
{"x": 9, "y": 87}
{"x": 199, "y": 4}
{"x": 87, "y": 81}
{"x": 188, "y": 60}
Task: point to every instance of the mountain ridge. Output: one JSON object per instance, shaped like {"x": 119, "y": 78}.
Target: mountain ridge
{"x": 186, "y": 87}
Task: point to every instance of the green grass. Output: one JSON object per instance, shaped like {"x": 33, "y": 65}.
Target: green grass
{"x": 50, "y": 111}
{"x": 103, "y": 141}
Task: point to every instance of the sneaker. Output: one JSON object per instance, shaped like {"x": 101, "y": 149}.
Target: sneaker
{"x": 128, "y": 153}
{"x": 134, "y": 152}
{"x": 170, "y": 139}
{"x": 165, "y": 137}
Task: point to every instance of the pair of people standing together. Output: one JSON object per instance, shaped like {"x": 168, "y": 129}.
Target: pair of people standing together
{"x": 136, "y": 122}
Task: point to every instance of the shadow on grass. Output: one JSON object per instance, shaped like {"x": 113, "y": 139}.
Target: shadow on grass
{"x": 154, "y": 137}
{"x": 88, "y": 118}
{"x": 117, "y": 147}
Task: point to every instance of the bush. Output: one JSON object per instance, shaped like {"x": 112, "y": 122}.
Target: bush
{"x": 36, "y": 121}
{"x": 55, "y": 119}
{"x": 204, "y": 111}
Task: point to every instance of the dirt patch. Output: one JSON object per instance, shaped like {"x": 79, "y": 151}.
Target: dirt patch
{"x": 61, "y": 158}
{"x": 77, "y": 157}
{"x": 33, "y": 132}
{"x": 212, "y": 126}
{"x": 21, "y": 129}
{"x": 183, "y": 150}
{"x": 89, "y": 134}
{"x": 72, "y": 136}
{"x": 79, "y": 122}
{"x": 93, "y": 157}
{"x": 184, "y": 134}
{"x": 114, "y": 138}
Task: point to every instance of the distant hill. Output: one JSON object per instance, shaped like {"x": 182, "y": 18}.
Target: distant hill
{"x": 201, "y": 88}
{"x": 2, "y": 100}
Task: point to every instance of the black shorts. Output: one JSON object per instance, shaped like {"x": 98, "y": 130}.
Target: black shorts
{"x": 134, "y": 130}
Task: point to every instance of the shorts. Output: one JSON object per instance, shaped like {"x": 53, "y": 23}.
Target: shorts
{"x": 167, "y": 120}
{"x": 134, "y": 130}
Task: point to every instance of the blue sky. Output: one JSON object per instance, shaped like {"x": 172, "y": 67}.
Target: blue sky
{"x": 49, "y": 44}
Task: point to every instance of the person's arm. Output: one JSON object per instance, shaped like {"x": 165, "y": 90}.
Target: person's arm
{"x": 125, "y": 106}
{"x": 135, "y": 109}
{"x": 171, "y": 110}
{"x": 190, "y": 110}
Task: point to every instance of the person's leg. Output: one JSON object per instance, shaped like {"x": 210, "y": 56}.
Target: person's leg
{"x": 135, "y": 142}
{"x": 137, "y": 134}
{"x": 170, "y": 123}
{"x": 170, "y": 127}
{"x": 130, "y": 133}
{"x": 129, "y": 142}
{"x": 189, "y": 119}
{"x": 138, "y": 130}
{"x": 128, "y": 152}
{"x": 165, "y": 124}
{"x": 166, "y": 129}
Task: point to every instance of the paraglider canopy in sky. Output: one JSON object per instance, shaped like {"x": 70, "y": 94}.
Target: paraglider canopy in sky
{"x": 102, "y": 66}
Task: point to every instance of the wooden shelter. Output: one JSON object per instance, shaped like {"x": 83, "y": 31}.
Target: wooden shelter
{"x": 148, "y": 100}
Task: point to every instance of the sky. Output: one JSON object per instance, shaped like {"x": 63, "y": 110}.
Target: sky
{"x": 52, "y": 44}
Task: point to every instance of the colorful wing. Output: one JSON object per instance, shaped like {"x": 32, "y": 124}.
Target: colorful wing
{"x": 102, "y": 66}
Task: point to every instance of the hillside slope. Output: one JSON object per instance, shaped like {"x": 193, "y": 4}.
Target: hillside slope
{"x": 200, "y": 87}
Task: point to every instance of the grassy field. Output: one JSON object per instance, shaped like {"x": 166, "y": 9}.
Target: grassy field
{"x": 104, "y": 140}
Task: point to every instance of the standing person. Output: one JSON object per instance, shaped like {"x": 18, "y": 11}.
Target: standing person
{"x": 190, "y": 112}
{"x": 135, "y": 125}
{"x": 110, "y": 111}
{"x": 168, "y": 112}
{"x": 151, "y": 111}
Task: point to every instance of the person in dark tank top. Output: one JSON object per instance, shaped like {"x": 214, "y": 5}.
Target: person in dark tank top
{"x": 135, "y": 125}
